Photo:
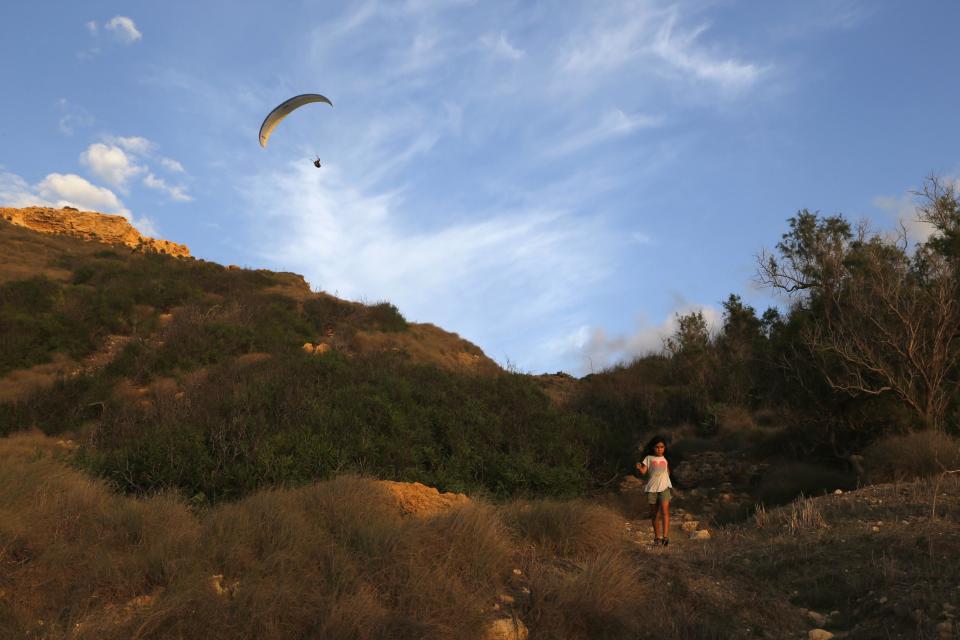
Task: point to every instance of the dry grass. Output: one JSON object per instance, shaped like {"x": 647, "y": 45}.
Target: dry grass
{"x": 800, "y": 516}
{"x": 331, "y": 560}
{"x": 572, "y": 529}
{"x": 338, "y": 559}
{"x": 914, "y": 455}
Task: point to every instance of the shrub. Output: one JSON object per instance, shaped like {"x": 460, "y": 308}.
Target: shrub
{"x": 601, "y": 599}
{"x": 783, "y": 482}
{"x": 572, "y": 529}
{"x": 914, "y": 455}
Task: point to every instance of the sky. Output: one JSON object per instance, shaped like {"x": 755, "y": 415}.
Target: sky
{"x": 554, "y": 181}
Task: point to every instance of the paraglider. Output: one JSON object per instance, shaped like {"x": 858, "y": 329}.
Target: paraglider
{"x": 283, "y": 110}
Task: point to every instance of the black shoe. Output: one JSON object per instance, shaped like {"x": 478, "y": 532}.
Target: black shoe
{"x": 665, "y": 541}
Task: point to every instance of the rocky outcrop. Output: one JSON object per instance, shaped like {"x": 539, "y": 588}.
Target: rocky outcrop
{"x": 418, "y": 499}
{"x": 92, "y": 226}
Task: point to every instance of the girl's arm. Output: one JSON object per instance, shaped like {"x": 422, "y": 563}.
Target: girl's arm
{"x": 642, "y": 468}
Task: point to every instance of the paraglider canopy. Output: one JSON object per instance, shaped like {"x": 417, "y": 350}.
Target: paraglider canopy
{"x": 283, "y": 110}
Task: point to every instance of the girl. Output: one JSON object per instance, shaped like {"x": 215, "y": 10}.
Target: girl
{"x": 658, "y": 487}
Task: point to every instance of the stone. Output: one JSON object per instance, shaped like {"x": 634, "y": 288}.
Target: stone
{"x": 90, "y": 225}
{"x": 308, "y": 347}
{"x": 689, "y": 526}
{"x": 505, "y": 598}
{"x": 506, "y": 629}
{"x": 838, "y": 492}
{"x": 416, "y": 499}
{"x": 817, "y": 618}
{"x": 703, "y": 534}
{"x": 819, "y": 634}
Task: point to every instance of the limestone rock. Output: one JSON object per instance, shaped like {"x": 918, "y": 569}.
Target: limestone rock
{"x": 819, "y": 634}
{"x": 416, "y": 499}
{"x": 817, "y": 618}
{"x": 506, "y": 629}
{"x": 90, "y": 225}
{"x": 703, "y": 534}
{"x": 689, "y": 526}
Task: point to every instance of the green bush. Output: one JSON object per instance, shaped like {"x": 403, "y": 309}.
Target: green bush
{"x": 295, "y": 418}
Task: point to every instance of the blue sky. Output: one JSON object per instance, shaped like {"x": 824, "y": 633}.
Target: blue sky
{"x": 553, "y": 181}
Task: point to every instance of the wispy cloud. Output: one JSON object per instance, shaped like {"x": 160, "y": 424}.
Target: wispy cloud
{"x": 171, "y": 165}
{"x": 176, "y": 192}
{"x": 595, "y": 348}
{"x": 72, "y": 117}
{"x": 631, "y": 33}
{"x": 501, "y": 47}
{"x": 366, "y": 244}
{"x": 680, "y": 50}
{"x": 613, "y": 124}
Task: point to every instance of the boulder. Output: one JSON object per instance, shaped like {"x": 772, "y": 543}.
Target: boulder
{"x": 506, "y": 629}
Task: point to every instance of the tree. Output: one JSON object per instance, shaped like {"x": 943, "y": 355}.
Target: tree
{"x": 881, "y": 321}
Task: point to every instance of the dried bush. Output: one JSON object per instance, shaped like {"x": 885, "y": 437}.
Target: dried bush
{"x": 914, "y": 455}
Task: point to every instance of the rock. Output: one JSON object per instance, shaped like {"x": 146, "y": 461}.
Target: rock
{"x": 689, "y": 526}
{"x": 308, "y": 347}
{"x": 817, "y": 618}
{"x": 819, "y": 634}
{"x": 90, "y": 225}
{"x": 222, "y": 588}
{"x": 506, "y": 629}
{"x": 321, "y": 348}
{"x": 505, "y": 598}
{"x": 631, "y": 483}
{"x": 945, "y": 630}
{"x": 414, "y": 498}
{"x": 875, "y": 529}
{"x": 838, "y": 492}
{"x": 703, "y": 534}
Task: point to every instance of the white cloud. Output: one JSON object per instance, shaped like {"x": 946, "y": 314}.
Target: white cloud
{"x": 177, "y": 192}
{"x": 613, "y": 124}
{"x": 15, "y": 192}
{"x": 680, "y": 51}
{"x": 903, "y": 210}
{"x": 92, "y": 27}
{"x": 124, "y": 29}
{"x": 172, "y": 165}
{"x": 68, "y": 190}
{"x": 500, "y": 46}
{"x": 595, "y": 349}
{"x": 109, "y": 163}
{"x": 134, "y": 144}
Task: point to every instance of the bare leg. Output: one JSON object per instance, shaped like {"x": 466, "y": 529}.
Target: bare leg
{"x": 664, "y": 512}
{"x": 654, "y": 516}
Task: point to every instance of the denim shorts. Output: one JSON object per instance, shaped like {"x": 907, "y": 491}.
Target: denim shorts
{"x": 653, "y": 497}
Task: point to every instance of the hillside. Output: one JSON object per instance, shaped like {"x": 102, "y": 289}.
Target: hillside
{"x": 249, "y": 378}
{"x": 356, "y": 558}
{"x": 195, "y": 450}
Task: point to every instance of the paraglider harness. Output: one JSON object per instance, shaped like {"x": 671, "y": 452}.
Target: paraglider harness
{"x": 316, "y": 162}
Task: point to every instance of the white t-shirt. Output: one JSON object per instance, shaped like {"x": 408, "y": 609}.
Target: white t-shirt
{"x": 657, "y": 473}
